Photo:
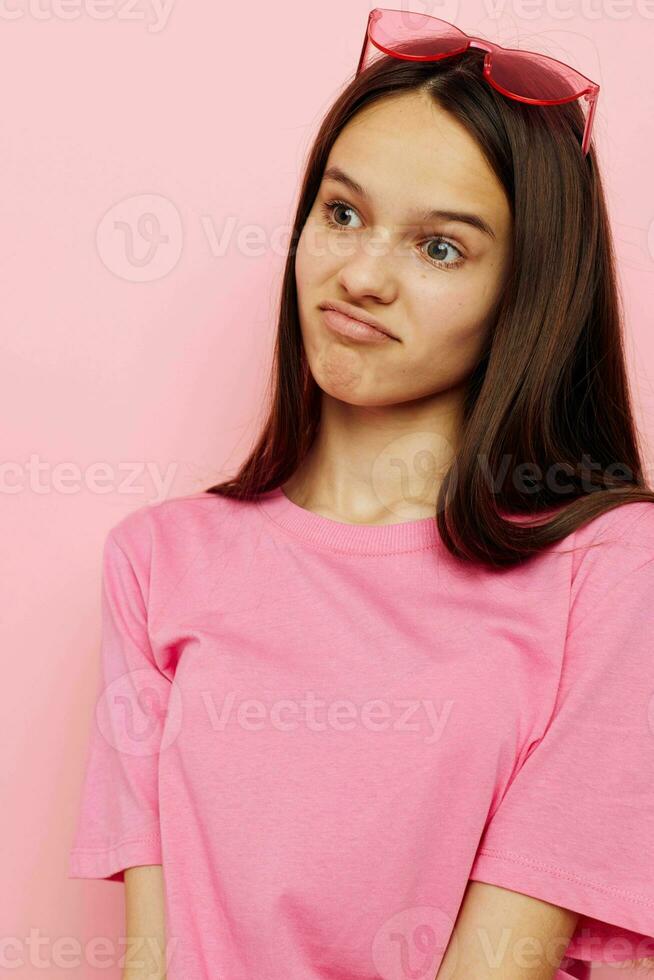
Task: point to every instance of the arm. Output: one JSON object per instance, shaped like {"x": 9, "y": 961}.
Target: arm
{"x": 504, "y": 935}
{"x": 145, "y": 949}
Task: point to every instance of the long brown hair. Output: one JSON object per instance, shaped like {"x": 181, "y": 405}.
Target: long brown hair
{"x": 549, "y": 398}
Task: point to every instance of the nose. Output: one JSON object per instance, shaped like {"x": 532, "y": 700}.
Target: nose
{"x": 368, "y": 271}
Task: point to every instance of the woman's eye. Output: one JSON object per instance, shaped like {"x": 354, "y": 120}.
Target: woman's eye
{"x": 335, "y": 214}
{"x": 333, "y": 208}
{"x": 442, "y": 245}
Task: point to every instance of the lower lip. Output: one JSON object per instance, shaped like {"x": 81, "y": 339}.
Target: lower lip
{"x": 346, "y": 326}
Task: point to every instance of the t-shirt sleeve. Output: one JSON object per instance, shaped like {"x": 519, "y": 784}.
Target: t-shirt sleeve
{"x": 575, "y": 826}
{"x": 118, "y": 816}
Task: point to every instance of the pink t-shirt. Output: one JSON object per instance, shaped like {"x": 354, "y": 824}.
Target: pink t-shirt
{"x": 322, "y": 731}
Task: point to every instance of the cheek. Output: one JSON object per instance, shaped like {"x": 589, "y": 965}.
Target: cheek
{"x": 447, "y": 326}
{"x": 452, "y": 307}
{"x": 302, "y": 264}
{"x": 314, "y": 258}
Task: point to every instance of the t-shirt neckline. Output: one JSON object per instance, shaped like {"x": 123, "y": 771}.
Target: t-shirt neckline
{"x": 378, "y": 539}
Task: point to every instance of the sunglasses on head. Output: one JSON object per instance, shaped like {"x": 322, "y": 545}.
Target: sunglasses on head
{"x": 523, "y": 75}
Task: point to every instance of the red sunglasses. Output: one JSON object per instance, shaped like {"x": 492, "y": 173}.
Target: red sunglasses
{"x": 523, "y": 75}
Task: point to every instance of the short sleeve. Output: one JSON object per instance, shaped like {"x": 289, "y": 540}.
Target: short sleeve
{"x": 118, "y": 816}
{"x": 575, "y": 826}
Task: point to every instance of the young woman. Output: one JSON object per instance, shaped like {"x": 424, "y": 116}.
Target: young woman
{"x": 381, "y": 705}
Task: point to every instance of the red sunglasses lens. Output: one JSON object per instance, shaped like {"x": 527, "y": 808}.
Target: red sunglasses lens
{"x": 534, "y": 76}
{"x": 413, "y": 35}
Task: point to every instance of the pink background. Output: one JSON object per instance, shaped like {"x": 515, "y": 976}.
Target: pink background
{"x": 136, "y": 342}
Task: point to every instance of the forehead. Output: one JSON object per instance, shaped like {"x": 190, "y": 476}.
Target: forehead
{"x": 409, "y": 153}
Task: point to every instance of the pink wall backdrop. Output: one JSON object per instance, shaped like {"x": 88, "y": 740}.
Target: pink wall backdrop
{"x": 151, "y": 153}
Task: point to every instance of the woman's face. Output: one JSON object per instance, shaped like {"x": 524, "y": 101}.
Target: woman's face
{"x": 431, "y": 281}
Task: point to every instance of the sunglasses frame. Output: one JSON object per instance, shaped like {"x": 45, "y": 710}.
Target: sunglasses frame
{"x": 590, "y": 92}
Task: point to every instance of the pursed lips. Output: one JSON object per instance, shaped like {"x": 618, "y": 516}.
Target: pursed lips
{"x": 354, "y": 314}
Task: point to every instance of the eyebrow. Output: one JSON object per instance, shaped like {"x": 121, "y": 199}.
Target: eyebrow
{"x": 463, "y": 217}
